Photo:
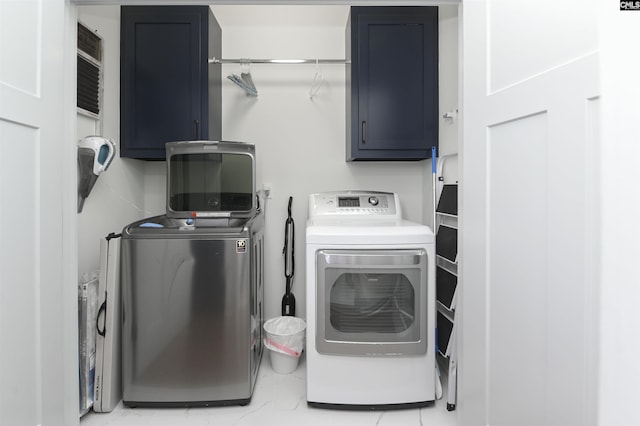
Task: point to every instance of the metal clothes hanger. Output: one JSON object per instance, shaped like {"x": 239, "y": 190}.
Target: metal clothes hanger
{"x": 244, "y": 81}
{"x": 246, "y": 76}
{"x": 316, "y": 83}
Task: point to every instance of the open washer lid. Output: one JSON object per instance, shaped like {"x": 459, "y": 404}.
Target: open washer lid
{"x": 211, "y": 179}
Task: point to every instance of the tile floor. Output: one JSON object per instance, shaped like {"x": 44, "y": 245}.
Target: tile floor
{"x": 278, "y": 400}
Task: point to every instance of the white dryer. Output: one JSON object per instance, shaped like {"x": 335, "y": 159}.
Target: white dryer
{"x": 370, "y": 303}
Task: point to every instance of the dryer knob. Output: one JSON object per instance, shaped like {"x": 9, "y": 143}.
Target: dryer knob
{"x": 373, "y": 201}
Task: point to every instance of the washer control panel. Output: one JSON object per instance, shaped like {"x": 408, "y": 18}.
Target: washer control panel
{"x": 354, "y": 203}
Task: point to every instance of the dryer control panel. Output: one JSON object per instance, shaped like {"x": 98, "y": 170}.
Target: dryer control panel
{"x": 355, "y": 203}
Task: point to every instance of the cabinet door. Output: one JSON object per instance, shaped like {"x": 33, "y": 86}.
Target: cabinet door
{"x": 395, "y": 74}
{"x": 163, "y": 78}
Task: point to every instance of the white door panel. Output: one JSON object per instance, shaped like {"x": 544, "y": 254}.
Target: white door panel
{"x": 619, "y": 292}
{"x": 516, "y": 291}
{"x": 19, "y": 294}
{"x": 19, "y": 21}
{"x": 528, "y": 37}
{"x": 38, "y": 380}
{"x": 527, "y": 177}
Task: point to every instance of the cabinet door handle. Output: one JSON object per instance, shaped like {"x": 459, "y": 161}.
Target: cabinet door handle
{"x": 364, "y": 132}
{"x": 196, "y": 130}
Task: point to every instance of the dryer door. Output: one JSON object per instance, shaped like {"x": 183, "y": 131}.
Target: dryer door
{"x": 371, "y": 302}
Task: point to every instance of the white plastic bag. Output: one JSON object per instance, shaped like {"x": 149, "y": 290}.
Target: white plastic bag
{"x": 285, "y": 335}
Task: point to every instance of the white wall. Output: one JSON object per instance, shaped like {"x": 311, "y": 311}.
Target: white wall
{"x": 448, "y": 103}
{"x": 300, "y": 142}
{"x": 116, "y": 198}
{"x": 448, "y": 96}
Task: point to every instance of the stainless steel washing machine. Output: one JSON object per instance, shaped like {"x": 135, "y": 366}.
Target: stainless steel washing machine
{"x": 370, "y": 303}
{"x": 192, "y": 284}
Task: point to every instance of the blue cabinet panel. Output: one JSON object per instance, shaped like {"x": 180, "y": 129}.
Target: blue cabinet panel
{"x": 392, "y": 101}
{"x": 168, "y": 90}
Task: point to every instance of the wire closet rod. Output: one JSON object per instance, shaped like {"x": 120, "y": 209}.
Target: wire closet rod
{"x": 278, "y": 61}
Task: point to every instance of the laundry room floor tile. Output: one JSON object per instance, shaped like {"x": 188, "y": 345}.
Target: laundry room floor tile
{"x": 278, "y": 399}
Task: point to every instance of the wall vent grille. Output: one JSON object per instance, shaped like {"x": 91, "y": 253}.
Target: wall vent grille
{"x": 89, "y": 72}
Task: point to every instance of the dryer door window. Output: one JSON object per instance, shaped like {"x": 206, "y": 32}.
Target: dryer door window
{"x": 371, "y": 302}
{"x": 363, "y": 303}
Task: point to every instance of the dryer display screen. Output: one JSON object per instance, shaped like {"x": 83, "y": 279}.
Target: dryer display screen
{"x": 348, "y": 202}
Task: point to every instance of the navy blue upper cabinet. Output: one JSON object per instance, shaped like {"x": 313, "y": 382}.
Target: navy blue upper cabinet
{"x": 168, "y": 90}
{"x": 392, "y": 83}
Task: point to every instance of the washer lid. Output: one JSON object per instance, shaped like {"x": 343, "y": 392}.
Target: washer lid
{"x": 211, "y": 179}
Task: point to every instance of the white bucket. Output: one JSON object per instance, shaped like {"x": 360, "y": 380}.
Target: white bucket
{"x": 285, "y": 341}
{"x": 282, "y": 363}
